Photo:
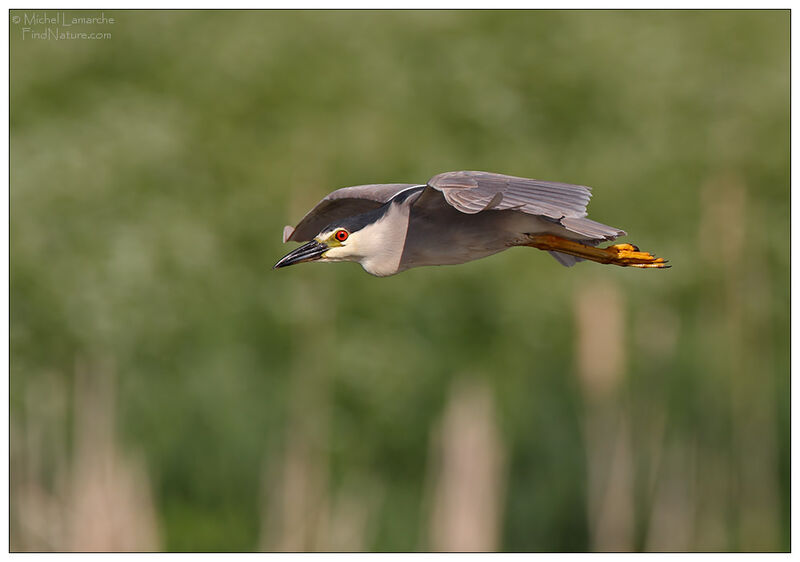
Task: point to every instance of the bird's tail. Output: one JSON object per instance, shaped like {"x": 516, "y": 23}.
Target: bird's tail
{"x": 625, "y": 255}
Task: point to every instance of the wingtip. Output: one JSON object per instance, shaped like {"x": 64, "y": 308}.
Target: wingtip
{"x": 288, "y": 230}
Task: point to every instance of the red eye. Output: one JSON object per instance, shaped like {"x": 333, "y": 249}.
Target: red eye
{"x": 341, "y": 235}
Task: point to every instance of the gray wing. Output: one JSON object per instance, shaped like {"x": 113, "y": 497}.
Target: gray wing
{"x": 473, "y": 192}
{"x": 344, "y": 202}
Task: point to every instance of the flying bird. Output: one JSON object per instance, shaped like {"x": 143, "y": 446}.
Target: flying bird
{"x": 454, "y": 218}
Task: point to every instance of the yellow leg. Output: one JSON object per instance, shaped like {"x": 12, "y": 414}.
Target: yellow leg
{"x": 625, "y": 255}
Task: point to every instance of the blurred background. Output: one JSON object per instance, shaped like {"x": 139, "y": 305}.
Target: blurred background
{"x": 170, "y": 391}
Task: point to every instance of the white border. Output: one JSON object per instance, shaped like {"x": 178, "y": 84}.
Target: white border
{"x": 441, "y": 4}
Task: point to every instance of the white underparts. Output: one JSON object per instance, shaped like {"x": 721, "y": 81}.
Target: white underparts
{"x": 381, "y": 243}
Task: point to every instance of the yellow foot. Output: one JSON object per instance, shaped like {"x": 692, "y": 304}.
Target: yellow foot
{"x": 628, "y": 255}
{"x": 625, "y": 255}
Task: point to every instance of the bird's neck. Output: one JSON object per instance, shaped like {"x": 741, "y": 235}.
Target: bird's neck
{"x": 381, "y": 243}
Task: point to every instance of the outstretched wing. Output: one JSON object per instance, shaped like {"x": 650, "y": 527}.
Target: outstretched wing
{"x": 473, "y": 192}
{"x": 564, "y": 203}
{"x": 344, "y": 202}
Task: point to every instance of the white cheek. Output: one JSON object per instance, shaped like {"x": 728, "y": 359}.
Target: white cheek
{"x": 338, "y": 253}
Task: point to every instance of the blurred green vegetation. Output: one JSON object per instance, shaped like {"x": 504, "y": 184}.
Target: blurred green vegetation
{"x": 152, "y": 173}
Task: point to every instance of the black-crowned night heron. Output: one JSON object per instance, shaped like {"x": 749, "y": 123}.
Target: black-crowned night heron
{"x": 455, "y": 218}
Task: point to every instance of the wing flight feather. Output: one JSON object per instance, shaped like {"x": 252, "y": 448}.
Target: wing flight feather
{"x": 473, "y": 192}
{"x": 344, "y": 202}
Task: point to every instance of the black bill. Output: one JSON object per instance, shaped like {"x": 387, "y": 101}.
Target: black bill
{"x": 307, "y": 252}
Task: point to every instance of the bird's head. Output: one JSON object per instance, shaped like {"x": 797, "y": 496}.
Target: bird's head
{"x": 374, "y": 239}
{"x": 334, "y": 243}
